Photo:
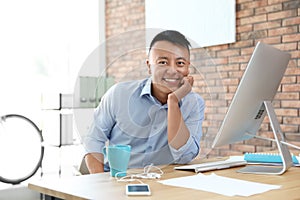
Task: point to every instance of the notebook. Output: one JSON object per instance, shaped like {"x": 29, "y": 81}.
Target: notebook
{"x": 266, "y": 158}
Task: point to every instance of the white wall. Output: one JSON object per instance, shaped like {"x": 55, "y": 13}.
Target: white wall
{"x": 205, "y": 22}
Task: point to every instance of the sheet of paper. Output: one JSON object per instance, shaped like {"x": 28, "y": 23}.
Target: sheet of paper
{"x": 221, "y": 185}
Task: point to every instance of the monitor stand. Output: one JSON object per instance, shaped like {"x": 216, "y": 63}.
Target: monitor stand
{"x": 283, "y": 149}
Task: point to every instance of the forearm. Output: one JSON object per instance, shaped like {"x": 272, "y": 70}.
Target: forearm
{"x": 178, "y": 133}
{"x": 94, "y": 162}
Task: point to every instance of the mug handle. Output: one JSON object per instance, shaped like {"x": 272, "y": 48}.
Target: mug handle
{"x": 104, "y": 151}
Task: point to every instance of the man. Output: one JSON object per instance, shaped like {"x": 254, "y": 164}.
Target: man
{"x": 160, "y": 117}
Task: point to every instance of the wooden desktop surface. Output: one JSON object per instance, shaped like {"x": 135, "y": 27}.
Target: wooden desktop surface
{"x": 102, "y": 186}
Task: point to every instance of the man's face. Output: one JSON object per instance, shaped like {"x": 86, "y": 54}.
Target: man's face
{"x": 168, "y": 63}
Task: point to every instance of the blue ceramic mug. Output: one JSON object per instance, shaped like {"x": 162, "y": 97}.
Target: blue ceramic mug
{"x": 118, "y": 157}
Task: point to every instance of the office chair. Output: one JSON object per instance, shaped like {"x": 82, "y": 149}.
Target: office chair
{"x": 83, "y": 168}
{"x": 21, "y": 148}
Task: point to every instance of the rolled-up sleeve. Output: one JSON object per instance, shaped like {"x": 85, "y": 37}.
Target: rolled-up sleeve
{"x": 101, "y": 127}
{"x": 93, "y": 142}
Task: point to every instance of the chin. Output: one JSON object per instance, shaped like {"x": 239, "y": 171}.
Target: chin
{"x": 170, "y": 89}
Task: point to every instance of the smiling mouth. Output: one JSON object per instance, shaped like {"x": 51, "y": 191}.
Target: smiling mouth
{"x": 171, "y": 80}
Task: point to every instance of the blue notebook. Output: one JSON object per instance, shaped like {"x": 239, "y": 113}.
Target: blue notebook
{"x": 266, "y": 158}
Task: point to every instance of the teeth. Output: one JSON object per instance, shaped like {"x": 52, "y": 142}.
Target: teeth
{"x": 170, "y": 79}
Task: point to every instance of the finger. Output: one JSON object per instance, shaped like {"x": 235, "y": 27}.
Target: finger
{"x": 191, "y": 80}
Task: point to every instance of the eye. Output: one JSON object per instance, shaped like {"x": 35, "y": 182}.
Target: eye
{"x": 162, "y": 62}
{"x": 181, "y": 63}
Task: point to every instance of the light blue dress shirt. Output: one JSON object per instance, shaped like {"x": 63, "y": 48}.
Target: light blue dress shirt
{"x": 129, "y": 114}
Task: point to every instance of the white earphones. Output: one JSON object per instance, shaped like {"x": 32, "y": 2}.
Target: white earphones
{"x": 145, "y": 175}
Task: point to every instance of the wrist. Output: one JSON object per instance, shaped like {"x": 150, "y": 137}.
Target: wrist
{"x": 172, "y": 98}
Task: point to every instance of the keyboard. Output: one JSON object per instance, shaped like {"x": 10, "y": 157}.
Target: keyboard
{"x": 209, "y": 166}
{"x": 266, "y": 158}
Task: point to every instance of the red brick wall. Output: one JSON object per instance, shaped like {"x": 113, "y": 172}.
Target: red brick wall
{"x": 275, "y": 22}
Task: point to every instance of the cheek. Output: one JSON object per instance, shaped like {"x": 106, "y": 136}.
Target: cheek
{"x": 157, "y": 71}
{"x": 184, "y": 71}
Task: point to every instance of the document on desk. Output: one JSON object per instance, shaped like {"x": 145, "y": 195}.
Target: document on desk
{"x": 220, "y": 185}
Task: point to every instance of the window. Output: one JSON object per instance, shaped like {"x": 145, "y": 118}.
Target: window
{"x": 43, "y": 45}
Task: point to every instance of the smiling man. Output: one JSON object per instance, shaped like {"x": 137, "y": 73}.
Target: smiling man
{"x": 160, "y": 117}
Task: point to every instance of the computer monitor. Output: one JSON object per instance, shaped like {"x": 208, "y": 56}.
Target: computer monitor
{"x": 253, "y": 97}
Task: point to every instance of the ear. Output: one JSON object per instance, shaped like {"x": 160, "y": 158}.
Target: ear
{"x": 149, "y": 66}
{"x": 188, "y": 71}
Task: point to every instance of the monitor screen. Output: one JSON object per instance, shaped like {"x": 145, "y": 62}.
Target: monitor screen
{"x": 259, "y": 83}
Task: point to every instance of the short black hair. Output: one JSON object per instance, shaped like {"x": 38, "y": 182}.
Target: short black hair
{"x": 172, "y": 36}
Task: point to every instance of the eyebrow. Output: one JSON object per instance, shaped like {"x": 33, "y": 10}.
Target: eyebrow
{"x": 181, "y": 58}
{"x": 164, "y": 57}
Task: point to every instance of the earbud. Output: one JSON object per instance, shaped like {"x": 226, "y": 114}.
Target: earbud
{"x": 153, "y": 175}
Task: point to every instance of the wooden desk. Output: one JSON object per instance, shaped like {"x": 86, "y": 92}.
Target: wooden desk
{"x": 102, "y": 186}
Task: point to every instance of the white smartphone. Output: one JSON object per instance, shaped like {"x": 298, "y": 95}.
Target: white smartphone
{"x": 138, "y": 189}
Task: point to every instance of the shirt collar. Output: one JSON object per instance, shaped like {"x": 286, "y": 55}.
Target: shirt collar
{"x": 146, "y": 87}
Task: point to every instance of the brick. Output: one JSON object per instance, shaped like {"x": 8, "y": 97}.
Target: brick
{"x": 291, "y": 5}
{"x": 258, "y": 142}
{"x": 254, "y": 4}
{"x": 286, "y": 46}
{"x": 289, "y": 79}
{"x": 253, "y": 34}
{"x": 244, "y": 28}
{"x": 291, "y": 104}
{"x": 241, "y": 44}
{"x": 270, "y": 40}
{"x": 230, "y": 81}
{"x": 293, "y": 62}
{"x": 287, "y": 96}
{"x": 291, "y": 38}
{"x": 293, "y": 137}
{"x": 229, "y": 52}
{"x": 282, "y": 31}
{"x": 243, "y": 66}
{"x": 220, "y": 61}
{"x": 230, "y": 67}
{"x": 265, "y": 149}
{"x": 289, "y": 128}
{"x": 232, "y": 89}
{"x": 218, "y": 47}
{"x": 229, "y": 96}
{"x": 239, "y": 59}
{"x": 247, "y": 51}
{"x": 265, "y": 125}
{"x": 286, "y": 112}
{"x": 281, "y": 15}
{"x": 243, "y": 148}
{"x": 290, "y": 88}
{"x": 266, "y": 134}
{"x": 236, "y": 74}
{"x": 245, "y": 13}
{"x": 292, "y": 71}
{"x": 267, "y": 25}
{"x": 291, "y": 21}
{"x": 270, "y": 2}
{"x": 253, "y": 19}
{"x": 276, "y": 104}
{"x": 268, "y": 9}
{"x": 294, "y": 56}
{"x": 291, "y": 120}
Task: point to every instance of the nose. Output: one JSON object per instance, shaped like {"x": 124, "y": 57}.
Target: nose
{"x": 172, "y": 67}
